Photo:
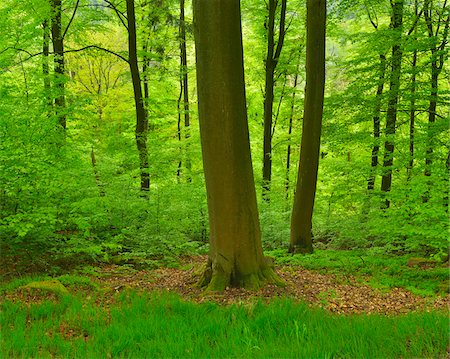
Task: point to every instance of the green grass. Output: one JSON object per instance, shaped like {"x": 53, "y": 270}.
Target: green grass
{"x": 155, "y": 325}
{"x": 376, "y": 269}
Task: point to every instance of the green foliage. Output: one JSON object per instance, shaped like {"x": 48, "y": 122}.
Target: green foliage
{"x": 374, "y": 267}
{"x": 59, "y": 208}
{"x": 139, "y": 325}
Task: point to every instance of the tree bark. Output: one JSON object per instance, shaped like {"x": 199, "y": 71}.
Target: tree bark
{"x": 301, "y": 220}
{"x": 58, "y": 49}
{"x": 412, "y": 115}
{"x": 101, "y": 190}
{"x": 141, "y": 130}
{"x": 394, "y": 86}
{"x": 437, "y": 63}
{"x": 412, "y": 102}
{"x": 273, "y": 54}
{"x": 45, "y": 66}
{"x": 288, "y": 155}
{"x": 236, "y": 255}
{"x": 184, "y": 93}
{"x": 376, "y": 123}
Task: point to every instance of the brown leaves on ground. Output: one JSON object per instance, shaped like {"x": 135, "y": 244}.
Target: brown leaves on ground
{"x": 322, "y": 290}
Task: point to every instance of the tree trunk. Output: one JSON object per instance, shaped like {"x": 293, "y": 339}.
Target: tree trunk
{"x": 141, "y": 116}
{"x": 431, "y": 117}
{"x": 236, "y": 256}
{"x": 101, "y": 190}
{"x": 412, "y": 103}
{"x": 184, "y": 93}
{"x": 272, "y": 57}
{"x": 58, "y": 49}
{"x": 394, "y": 86}
{"x": 45, "y": 66}
{"x": 437, "y": 63}
{"x": 376, "y": 123}
{"x": 412, "y": 115}
{"x": 288, "y": 155}
{"x": 301, "y": 220}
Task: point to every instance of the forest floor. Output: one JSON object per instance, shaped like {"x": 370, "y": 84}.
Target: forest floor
{"x": 343, "y": 295}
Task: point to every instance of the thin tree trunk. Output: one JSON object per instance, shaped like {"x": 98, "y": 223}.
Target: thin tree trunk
{"x": 184, "y": 92}
{"x": 301, "y": 220}
{"x": 437, "y": 63}
{"x": 394, "y": 86}
{"x": 412, "y": 115}
{"x": 145, "y": 66}
{"x": 96, "y": 174}
{"x": 141, "y": 116}
{"x": 273, "y": 54}
{"x": 236, "y": 256}
{"x": 288, "y": 155}
{"x": 45, "y": 65}
{"x": 58, "y": 49}
{"x": 376, "y": 123}
{"x": 412, "y": 103}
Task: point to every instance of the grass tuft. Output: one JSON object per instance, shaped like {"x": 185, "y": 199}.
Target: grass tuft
{"x": 156, "y": 325}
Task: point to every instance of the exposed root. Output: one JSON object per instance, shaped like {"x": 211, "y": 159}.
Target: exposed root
{"x": 216, "y": 279}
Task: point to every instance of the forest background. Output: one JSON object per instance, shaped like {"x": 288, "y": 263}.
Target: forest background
{"x": 84, "y": 179}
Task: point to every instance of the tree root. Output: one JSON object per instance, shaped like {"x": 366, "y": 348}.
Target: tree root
{"x": 216, "y": 279}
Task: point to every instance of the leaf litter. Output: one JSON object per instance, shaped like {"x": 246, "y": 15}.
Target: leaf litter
{"x": 317, "y": 289}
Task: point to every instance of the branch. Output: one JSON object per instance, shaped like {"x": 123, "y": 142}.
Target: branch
{"x": 443, "y": 43}
{"x": 71, "y": 19}
{"x": 18, "y": 49}
{"x": 370, "y": 16}
{"x": 439, "y": 21}
{"x": 120, "y": 14}
{"x": 282, "y": 30}
{"x": 99, "y": 48}
{"x": 416, "y": 20}
{"x": 30, "y": 55}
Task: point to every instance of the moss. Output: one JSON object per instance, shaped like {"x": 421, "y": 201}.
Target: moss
{"x": 217, "y": 280}
{"x": 53, "y": 286}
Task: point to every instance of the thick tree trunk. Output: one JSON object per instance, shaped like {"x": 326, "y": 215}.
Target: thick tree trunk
{"x": 236, "y": 256}
{"x": 376, "y": 123}
{"x": 58, "y": 49}
{"x": 394, "y": 86}
{"x": 273, "y": 54}
{"x": 301, "y": 220}
{"x": 141, "y": 115}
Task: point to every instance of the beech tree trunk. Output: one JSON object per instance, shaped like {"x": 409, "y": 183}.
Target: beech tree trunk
{"x": 58, "y": 49}
{"x": 376, "y": 123}
{"x": 184, "y": 94}
{"x": 437, "y": 63}
{"x": 301, "y": 220}
{"x": 273, "y": 54}
{"x": 46, "y": 67}
{"x": 236, "y": 255}
{"x": 141, "y": 130}
{"x": 288, "y": 155}
{"x": 394, "y": 86}
{"x": 412, "y": 102}
{"x": 412, "y": 115}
